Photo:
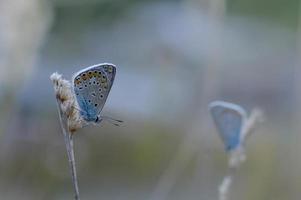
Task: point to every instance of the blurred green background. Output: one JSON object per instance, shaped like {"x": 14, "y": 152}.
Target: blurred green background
{"x": 173, "y": 57}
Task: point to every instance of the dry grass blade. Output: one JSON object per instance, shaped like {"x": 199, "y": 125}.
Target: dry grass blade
{"x": 70, "y": 121}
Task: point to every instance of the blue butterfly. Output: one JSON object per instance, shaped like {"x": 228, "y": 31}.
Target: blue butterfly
{"x": 229, "y": 119}
{"x": 91, "y": 88}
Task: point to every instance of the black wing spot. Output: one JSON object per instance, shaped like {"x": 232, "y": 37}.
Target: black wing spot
{"x": 95, "y": 105}
{"x": 80, "y": 88}
{"x": 85, "y": 85}
{"x": 101, "y": 96}
{"x": 89, "y": 101}
{"x": 97, "y": 83}
{"x": 89, "y": 83}
{"x": 99, "y": 89}
{"x": 94, "y": 82}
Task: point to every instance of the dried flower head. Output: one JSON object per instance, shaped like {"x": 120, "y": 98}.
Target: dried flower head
{"x": 67, "y": 103}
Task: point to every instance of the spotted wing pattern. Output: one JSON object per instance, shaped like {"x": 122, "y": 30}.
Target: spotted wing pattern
{"x": 91, "y": 87}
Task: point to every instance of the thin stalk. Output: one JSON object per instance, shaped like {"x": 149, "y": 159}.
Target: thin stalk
{"x": 237, "y": 157}
{"x": 225, "y": 186}
{"x": 68, "y": 137}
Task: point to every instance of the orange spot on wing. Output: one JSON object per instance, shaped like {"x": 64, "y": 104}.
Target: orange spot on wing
{"x": 77, "y": 81}
{"x": 90, "y": 74}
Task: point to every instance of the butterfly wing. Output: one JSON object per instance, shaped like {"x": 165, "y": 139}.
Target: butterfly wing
{"x": 229, "y": 119}
{"x": 91, "y": 87}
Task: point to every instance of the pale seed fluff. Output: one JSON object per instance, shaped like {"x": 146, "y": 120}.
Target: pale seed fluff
{"x": 224, "y": 188}
{"x": 237, "y": 157}
{"x": 67, "y": 102}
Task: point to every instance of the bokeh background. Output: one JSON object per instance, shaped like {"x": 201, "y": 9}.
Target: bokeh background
{"x": 173, "y": 58}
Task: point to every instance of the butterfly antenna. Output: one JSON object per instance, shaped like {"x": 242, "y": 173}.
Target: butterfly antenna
{"x": 111, "y": 120}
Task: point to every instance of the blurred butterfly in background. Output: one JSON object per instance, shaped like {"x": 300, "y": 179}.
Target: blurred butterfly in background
{"x": 91, "y": 87}
{"x": 229, "y": 119}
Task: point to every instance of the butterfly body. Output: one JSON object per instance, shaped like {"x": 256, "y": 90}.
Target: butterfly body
{"x": 91, "y": 88}
{"x": 229, "y": 119}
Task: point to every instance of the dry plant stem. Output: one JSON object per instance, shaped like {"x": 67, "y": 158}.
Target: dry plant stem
{"x": 256, "y": 118}
{"x": 225, "y": 186}
{"x": 68, "y": 137}
{"x": 70, "y": 120}
{"x": 237, "y": 157}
